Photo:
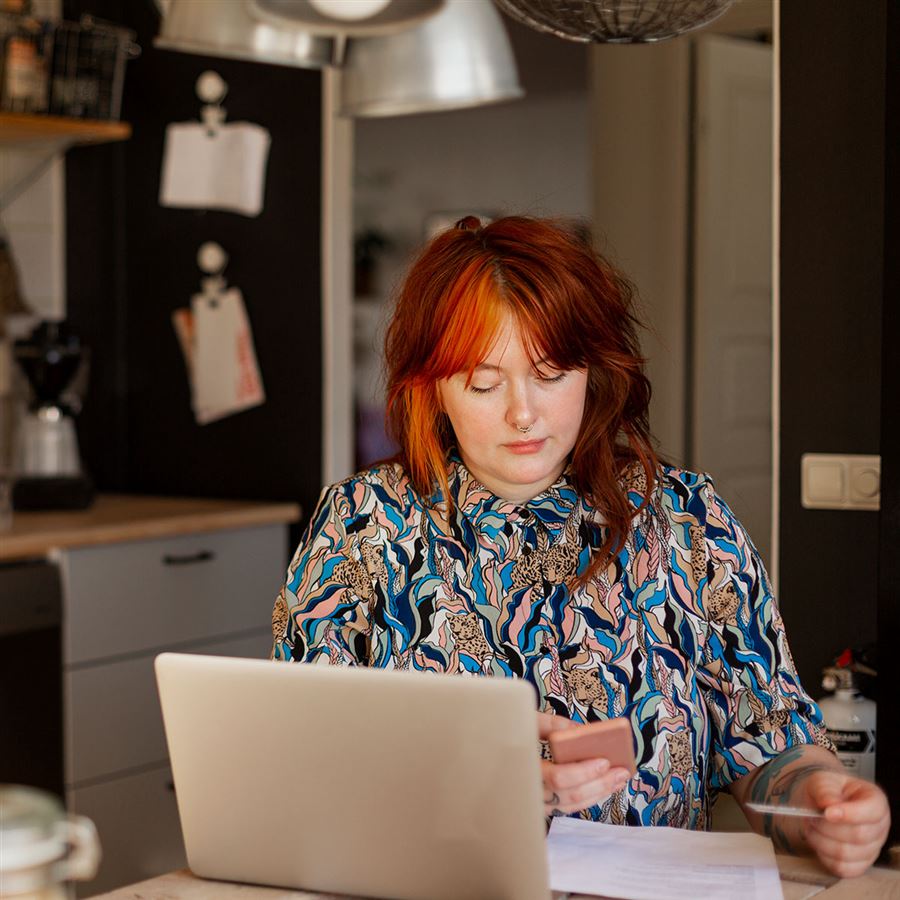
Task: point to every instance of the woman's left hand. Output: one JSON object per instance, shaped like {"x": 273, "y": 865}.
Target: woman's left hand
{"x": 571, "y": 787}
{"x": 855, "y": 825}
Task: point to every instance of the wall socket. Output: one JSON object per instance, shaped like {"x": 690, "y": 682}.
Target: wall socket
{"x": 840, "y": 481}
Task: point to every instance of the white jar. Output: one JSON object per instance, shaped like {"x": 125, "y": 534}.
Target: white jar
{"x": 850, "y": 720}
{"x": 41, "y": 848}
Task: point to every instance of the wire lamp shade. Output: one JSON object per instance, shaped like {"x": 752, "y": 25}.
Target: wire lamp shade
{"x": 615, "y": 21}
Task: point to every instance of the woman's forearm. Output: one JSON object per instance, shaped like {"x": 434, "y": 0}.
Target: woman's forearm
{"x": 782, "y": 782}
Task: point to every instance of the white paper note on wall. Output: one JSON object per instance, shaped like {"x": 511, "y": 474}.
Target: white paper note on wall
{"x": 226, "y": 376}
{"x": 220, "y": 169}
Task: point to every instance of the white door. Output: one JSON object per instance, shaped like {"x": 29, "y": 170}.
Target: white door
{"x": 731, "y": 430}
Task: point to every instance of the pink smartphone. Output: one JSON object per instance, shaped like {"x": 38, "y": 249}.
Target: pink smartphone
{"x": 610, "y": 740}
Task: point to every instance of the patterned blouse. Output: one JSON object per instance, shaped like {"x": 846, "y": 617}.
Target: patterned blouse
{"x": 680, "y": 633}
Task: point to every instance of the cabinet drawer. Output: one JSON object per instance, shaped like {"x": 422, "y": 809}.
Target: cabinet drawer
{"x": 113, "y": 720}
{"x": 137, "y": 821}
{"x": 144, "y": 595}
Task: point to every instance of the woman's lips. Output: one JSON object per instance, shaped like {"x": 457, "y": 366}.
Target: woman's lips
{"x": 525, "y": 446}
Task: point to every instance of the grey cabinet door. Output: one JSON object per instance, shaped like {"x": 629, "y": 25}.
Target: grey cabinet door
{"x": 137, "y": 822}
{"x": 140, "y": 596}
{"x": 113, "y": 721}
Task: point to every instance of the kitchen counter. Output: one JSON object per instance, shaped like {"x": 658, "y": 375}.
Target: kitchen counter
{"x": 115, "y": 518}
{"x": 801, "y": 878}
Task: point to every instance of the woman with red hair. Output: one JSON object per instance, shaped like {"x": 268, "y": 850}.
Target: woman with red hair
{"x": 527, "y": 529}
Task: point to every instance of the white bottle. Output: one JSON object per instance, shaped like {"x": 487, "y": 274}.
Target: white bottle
{"x": 850, "y": 720}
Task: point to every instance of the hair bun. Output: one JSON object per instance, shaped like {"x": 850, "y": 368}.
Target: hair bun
{"x": 469, "y": 223}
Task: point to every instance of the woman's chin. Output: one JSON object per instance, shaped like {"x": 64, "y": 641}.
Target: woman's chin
{"x": 524, "y": 481}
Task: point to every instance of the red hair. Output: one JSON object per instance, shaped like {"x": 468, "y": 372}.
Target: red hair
{"x": 573, "y": 308}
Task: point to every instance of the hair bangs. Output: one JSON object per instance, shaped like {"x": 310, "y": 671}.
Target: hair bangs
{"x": 474, "y": 310}
{"x": 547, "y": 332}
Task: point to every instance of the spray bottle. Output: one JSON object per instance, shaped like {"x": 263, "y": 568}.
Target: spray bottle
{"x": 849, "y": 717}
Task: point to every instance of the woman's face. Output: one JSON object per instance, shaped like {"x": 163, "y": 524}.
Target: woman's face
{"x": 508, "y": 393}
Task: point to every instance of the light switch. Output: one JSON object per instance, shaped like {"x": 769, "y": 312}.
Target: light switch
{"x": 840, "y": 481}
{"x": 824, "y": 481}
{"x": 864, "y": 482}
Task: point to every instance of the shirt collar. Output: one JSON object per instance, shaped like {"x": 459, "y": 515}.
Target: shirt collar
{"x": 488, "y": 512}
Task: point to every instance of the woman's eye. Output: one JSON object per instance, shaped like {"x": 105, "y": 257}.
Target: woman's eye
{"x": 551, "y": 379}
{"x": 482, "y": 390}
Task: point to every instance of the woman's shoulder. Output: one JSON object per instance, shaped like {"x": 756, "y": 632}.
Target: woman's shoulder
{"x": 669, "y": 478}
{"x": 379, "y": 486}
{"x": 676, "y": 476}
{"x": 682, "y": 490}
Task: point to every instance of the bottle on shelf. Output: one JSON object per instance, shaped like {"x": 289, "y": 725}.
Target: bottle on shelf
{"x": 24, "y": 50}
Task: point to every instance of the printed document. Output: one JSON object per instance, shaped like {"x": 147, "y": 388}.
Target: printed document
{"x": 660, "y": 863}
{"x": 223, "y": 168}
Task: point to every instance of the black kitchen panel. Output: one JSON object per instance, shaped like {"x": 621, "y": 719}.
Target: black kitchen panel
{"x": 131, "y": 262}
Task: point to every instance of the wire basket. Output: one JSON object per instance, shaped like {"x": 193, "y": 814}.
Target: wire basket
{"x": 87, "y": 73}
{"x": 64, "y": 68}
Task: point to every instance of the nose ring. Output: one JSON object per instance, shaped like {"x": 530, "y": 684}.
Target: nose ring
{"x": 526, "y": 429}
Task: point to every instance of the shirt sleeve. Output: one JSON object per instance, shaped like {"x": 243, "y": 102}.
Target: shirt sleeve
{"x": 757, "y": 706}
{"x": 321, "y": 614}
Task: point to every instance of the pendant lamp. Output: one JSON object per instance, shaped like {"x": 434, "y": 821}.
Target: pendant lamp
{"x": 459, "y": 58}
{"x": 348, "y": 18}
{"x": 226, "y": 28}
{"x": 615, "y": 21}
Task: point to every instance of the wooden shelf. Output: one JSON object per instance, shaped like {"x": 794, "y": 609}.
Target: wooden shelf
{"x": 34, "y": 140}
{"x": 21, "y": 129}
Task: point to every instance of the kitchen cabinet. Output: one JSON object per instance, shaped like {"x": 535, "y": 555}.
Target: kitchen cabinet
{"x": 140, "y": 576}
{"x": 203, "y": 593}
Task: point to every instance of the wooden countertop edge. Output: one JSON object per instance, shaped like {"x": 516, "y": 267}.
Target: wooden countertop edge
{"x": 84, "y": 533}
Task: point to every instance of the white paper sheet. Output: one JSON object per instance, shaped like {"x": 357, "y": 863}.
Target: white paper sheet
{"x": 222, "y": 169}
{"x": 660, "y": 863}
{"x": 217, "y": 343}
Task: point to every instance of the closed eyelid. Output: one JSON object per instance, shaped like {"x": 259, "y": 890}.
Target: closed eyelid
{"x": 549, "y": 372}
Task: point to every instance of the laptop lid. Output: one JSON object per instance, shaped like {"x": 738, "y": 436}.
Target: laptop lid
{"x": 356, "y": 781}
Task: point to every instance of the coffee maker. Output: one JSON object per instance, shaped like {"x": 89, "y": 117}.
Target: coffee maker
{"x": 48, "y": 467}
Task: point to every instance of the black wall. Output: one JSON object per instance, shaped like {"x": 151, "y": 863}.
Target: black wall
{"x": 130, "y": 262}
{"x": 832, "y": 188}
{"x": 840, "y": 580}
{"x": 889, "y": 524}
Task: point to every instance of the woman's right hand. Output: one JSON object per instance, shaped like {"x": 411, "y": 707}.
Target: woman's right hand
{"x": 571, "y": 787}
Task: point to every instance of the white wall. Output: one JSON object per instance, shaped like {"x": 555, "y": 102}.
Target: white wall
{"x": 641, "y": 113}
{"x": 35, "y": 227}
{"x": 34, "y": 222}
{"x": 527, "y": 156}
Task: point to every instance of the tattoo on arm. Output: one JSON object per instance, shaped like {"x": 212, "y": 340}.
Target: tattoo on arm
{"x": 773, "y": 785}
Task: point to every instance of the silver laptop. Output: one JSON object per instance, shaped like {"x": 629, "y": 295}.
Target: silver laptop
{"x": 356, "y": 781}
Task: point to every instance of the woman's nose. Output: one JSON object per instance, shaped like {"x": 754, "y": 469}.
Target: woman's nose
{"x": 520, "y": 412}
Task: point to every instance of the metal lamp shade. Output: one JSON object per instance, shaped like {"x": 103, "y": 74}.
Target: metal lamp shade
{"x": 615, "y": 21}
{"x": 459, "y": 58}
{"x": 225, "y": 28}
{"x": 396, "y": 16}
